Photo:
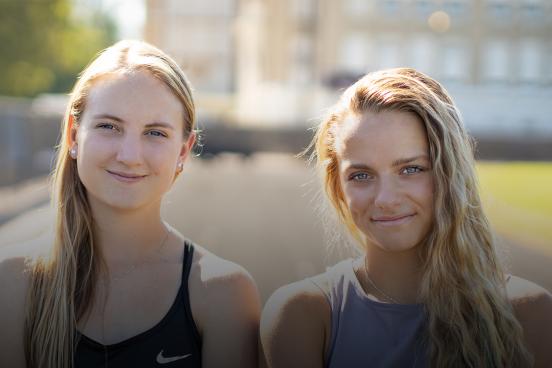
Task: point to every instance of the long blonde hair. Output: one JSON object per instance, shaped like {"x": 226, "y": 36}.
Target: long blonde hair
{"x": 64, "y": 283}
{"x": 470, "y": 320}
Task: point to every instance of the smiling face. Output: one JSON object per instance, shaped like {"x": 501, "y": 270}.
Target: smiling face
{"x": 130, "y": 140}
{"x": 385, "y": 173}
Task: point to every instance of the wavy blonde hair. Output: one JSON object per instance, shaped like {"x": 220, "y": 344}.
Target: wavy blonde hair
{"x": 470, "y": 320}
{"x": 63, "y": 283}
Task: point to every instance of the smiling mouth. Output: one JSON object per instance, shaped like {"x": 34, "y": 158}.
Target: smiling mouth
{"x": 126, "y": 177}
{"x": 392, "y": 220}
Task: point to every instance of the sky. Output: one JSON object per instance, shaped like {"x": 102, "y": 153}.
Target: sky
{"x": 129, "y": 15}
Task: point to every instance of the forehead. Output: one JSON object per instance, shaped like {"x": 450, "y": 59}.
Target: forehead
{"x": 136, "y": 96}
{"x": 381, "y": 137}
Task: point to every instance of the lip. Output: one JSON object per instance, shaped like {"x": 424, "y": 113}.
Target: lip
{"x": 126, "y": 177}
{"x": 392, "y": 220}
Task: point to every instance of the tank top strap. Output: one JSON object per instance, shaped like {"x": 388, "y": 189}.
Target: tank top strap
{"x": 187, "y": 261}
{"x": 184, "y": 288}
{"x": 335, "y": 284}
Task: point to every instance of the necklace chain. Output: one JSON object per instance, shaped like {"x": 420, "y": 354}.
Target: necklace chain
{"x": 120, "y": 277}
{"x": 134, "y": 266}
{"x": 392, "y": 300}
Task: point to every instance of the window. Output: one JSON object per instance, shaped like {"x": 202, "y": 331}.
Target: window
{"x": 422, "y": 53}
{"x": 496, "y": 61}
{"x": 455, "y": 60}
{"x": 389, "y": 52}
{"x": 358, "y": 8}
{"x": 301, "y": 68}
{"x": 533, "y": 10}
{"x": 500, "y": 11}
{"x": 530, "y": 61}
{"x": 303, "y": 9}
{"x": 353, "y": 53}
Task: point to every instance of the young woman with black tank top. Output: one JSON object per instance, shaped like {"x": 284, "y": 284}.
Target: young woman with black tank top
{"x": 119, "y": 287}
{"x": 428, "y": 290}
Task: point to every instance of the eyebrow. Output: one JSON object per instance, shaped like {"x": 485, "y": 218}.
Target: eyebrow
{"x": 403, "y": 161}
{"x": 399, "y": 162}
{"x": 119, "y": 120}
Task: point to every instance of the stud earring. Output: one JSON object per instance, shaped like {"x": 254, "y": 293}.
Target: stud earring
{"x": 73, "y": 152}
{"x": 180, "y": 166}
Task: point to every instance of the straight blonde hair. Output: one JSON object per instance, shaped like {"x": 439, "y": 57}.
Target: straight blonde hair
{"x": 63, "y": 283}
{"x": 471, "y": 322}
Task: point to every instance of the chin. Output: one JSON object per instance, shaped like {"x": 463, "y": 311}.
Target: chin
{"x": 396, "y": 244}
{"x": 122, "y": 204}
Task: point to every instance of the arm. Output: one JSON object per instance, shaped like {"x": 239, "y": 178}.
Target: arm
{"x": 533, "y": 308}
{"x": 226, "y": 306}
{"x": 295, "y": 327}
{"x": 13, "y": 289}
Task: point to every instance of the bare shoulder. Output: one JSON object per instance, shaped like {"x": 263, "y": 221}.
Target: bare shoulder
{"x": 15, "y": 264}
{"x": 14, "y": 275}
{"x": 215, "y": 272}
{"x": 14, "y": 284}
{"x": 533, "y": 308}
{"x": 224, "y": 302}
{"x": 526, "y": 295}
{"x": 296, "y": 299}
{"x": 295, "y": 325}
{"x": 215, "y": 282}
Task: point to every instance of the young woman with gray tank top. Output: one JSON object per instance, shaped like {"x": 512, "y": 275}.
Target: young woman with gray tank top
{"x": 398, "y": 168}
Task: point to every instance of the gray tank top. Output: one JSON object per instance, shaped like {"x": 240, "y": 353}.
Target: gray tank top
{"x": 367, "y": 333}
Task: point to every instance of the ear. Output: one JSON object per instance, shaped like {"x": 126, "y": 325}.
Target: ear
{"x": 187, "y": 147}
{"x": 71, "y": 131}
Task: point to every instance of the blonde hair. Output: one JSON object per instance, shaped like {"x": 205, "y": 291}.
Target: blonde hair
{"x": 470, "y": 320}
{"x": 63, "y": 284}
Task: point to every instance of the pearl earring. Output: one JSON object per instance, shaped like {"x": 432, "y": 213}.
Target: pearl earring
{"x": 73, "y": 152}
{"x": 180, "y": 166}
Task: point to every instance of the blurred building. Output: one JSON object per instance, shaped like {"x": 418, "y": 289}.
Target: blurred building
{"x": 199, "y": 35}
{"x": 283, "y": 60}
{"x": 469, "y": 41}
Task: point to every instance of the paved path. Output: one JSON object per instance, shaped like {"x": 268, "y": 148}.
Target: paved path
{"x": 261, "y": 212}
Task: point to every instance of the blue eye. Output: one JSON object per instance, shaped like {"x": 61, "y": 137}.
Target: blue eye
{"x": 412, "y": 170}
{"x": 106, "y": 126}
{"x": 156, "y": 133}
{"x": 361, "y": 176}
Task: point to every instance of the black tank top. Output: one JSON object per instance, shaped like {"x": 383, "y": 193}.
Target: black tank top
{"x": 173, "y": 342}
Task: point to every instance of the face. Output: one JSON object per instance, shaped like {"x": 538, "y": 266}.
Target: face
{"x": 130, "y": 140}
{"x": 386, "y": 178}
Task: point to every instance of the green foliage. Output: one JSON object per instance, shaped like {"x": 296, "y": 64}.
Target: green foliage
{"x": 44, "y": 46}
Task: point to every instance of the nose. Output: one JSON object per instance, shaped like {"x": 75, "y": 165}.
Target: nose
{"x": 130, "y": 151}
{"x": 387, "y": 195}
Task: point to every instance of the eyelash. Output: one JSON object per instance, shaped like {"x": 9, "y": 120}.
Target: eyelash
{"x": 405, "y": 171}
{"x": 112, "y": 126}
{"x": 417, "y": 169}
{"x": 355, "y": 176}
{"x": 104, "y": 125}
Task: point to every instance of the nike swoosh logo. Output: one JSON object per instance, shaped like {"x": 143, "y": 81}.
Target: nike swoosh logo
{"x": 164, "y": 360}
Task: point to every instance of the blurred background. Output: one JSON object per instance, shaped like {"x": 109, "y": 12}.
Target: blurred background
{"x": 264, "y": 71}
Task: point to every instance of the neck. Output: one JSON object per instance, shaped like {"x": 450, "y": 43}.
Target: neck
{"x": 126, "y": 236}
{"x": 397, "y": 274}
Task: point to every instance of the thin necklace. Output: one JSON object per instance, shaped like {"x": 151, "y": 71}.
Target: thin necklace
{"x": 392, "y": 300}
{"x": 134, "y": 266}
{"x": 120, "y": 277}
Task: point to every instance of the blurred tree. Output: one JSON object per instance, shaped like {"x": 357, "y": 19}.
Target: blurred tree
{"x": 44, "y": 45}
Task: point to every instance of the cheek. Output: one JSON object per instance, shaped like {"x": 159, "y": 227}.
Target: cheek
{"x": 95, "y": 148}
{"x": 423, "y": 192}
{"x": 357, "y": 198}
{"x": 161, "y": 159}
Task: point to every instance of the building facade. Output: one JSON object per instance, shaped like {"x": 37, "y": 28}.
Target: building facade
{"x": 282, "y": 60}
